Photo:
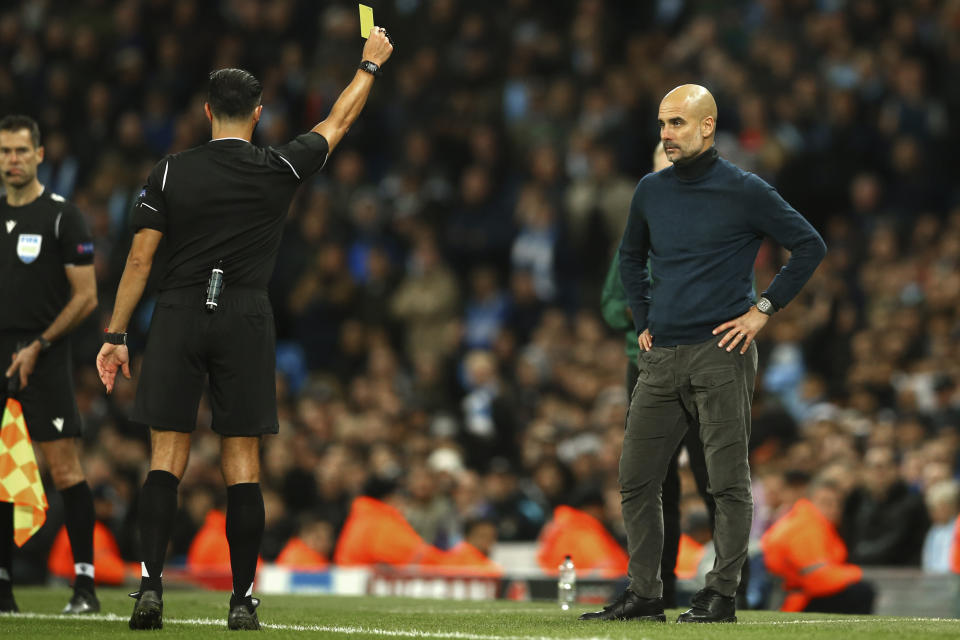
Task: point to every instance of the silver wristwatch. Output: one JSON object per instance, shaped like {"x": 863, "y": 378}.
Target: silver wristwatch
{"x": 765, "y": 306}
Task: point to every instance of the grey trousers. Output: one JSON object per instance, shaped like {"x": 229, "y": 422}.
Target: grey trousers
{"x": 679, "y": 388}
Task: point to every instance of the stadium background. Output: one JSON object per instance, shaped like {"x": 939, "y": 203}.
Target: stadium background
{"x": 437, "y": 289}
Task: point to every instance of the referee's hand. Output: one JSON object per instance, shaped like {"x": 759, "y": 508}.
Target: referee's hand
{"x": 378, "y": 47}
{"x": 111, "y": 358}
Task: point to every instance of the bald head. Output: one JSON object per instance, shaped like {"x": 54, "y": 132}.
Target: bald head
{"x": 694, "y": 99}
{"x": 688, "y": 120}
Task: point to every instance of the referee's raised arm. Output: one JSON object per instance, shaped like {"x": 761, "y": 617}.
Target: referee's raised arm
{"x": 348, "y": 106}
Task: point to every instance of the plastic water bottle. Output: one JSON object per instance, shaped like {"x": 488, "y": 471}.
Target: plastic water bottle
{"x": 567, "y": 584}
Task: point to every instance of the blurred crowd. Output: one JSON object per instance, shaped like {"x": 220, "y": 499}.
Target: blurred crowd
{"x": 437, "y": 290}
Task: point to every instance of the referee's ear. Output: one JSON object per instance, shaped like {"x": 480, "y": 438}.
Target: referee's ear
{"x": 257, "y": 112}
{"x": 207, "y": 111}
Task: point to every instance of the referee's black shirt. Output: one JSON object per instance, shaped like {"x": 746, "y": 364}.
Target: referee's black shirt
{"x": 37, "y": 240}
{"x": 225, "y": 200}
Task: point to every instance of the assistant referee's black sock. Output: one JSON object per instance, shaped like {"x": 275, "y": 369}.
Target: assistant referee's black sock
{"x": 6, "y": 548}
{"x": 245, "y": 518}
{"x": 158, "y": 509}
{"x": 79, "y": 517}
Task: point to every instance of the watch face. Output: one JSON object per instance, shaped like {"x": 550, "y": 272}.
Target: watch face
{"x": 764, "y": 305}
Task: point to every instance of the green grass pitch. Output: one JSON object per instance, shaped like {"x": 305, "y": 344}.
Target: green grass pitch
{"x": 202, "y": 614}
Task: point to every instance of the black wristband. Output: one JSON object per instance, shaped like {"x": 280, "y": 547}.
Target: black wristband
{"x": 370, "y": 67}
{"x": 114, "y": 338}
{"x": 44, "y": 343}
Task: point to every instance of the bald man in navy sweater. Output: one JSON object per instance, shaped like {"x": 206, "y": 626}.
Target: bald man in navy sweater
{"x": 700, "y": 223}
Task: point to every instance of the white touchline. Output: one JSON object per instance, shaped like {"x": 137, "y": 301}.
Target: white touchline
{"x": 468, "y": 610}
{"x": 851, "y": 620}
{"x": 313, "y": 628}
{"x": 417, "y": 633}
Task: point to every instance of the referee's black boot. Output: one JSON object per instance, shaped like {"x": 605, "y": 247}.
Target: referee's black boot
{"x": 630, "y": 606}
{"x": 709, "y": 606}
{"x": 243, "y": 614}
{"x": 148, "y": 612}
{"x": 83, "y": 601}
{"x": 8, "y": 604}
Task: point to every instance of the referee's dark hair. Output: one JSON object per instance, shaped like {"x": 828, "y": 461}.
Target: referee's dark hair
{"x": 233, "y": 93}
{"x": 15, "y": 122}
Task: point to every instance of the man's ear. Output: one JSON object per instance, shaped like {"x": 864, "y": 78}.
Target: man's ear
{"x": 207, "y": 111}
{"x": 707, "y": 126}
{"x": 40, "y": 152}
{"x": 257, "y": 112}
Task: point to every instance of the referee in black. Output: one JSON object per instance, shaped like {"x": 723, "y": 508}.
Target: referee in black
{"x": 221, "y": 207}
{"x": 47, "y": 287}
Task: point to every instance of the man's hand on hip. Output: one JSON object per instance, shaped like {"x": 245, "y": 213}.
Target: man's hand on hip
{"x": 645, "y": 340}
{"x": 111, "y": 358}
{"x": 743, "y": 329}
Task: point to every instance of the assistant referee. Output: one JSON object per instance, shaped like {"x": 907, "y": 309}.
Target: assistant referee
{"x": 47, "y": 288}
{"x": 221, "y": 206}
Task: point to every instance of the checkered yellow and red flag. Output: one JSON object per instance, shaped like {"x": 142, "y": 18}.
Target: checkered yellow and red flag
{"x": 19, "y": 476}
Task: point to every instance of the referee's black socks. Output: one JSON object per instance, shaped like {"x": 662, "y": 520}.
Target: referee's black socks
{"x": 79, "y": 517}
{"x": 245, "y": 521}
{"x": 6, "y": 548}
{"x": 158, "y": 510}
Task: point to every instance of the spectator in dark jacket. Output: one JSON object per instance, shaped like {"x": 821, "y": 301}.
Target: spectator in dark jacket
{"x": 886, "y": 522}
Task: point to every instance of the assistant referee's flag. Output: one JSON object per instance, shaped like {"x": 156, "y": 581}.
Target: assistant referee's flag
{"x": 19, "y": 476}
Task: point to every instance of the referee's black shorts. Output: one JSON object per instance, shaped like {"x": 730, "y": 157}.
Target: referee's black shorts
{"x": 235, "y": 346}
{"x": 49, "y": 402}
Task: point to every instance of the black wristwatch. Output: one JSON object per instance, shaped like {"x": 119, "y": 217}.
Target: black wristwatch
{"x": 44, "y": 343}
{"x": 370, "y": 67}
{"x": 115, "y": 338}
{"x": 765, "y": 306}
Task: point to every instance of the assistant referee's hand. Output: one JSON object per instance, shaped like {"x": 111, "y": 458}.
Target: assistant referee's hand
{"x": 111, "y": 358}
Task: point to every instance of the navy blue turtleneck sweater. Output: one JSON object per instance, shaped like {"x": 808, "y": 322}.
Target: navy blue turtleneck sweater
{"x": 701, "y": 223}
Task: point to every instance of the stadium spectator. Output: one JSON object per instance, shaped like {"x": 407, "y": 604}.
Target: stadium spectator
{"x": 579, "y": 533}
{"x": 109, "y": 566}
{"x": 695, "y": 553}
{"x": 806, "y": 551}
{"x": 209, "y": 551}
{"x": 886, "y": 522}
{"x": 472, "y": 554}
{"x": 310, "y": 547}
{"x": 377, "y": 533}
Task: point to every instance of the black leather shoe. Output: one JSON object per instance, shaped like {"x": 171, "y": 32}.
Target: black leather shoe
{"x": 630, "y": 606}
{"x": 243, "y": 616}
{"x": 710, "y": 606}
{"x": 148, "y": 612}
{"x": 82, "y": 602}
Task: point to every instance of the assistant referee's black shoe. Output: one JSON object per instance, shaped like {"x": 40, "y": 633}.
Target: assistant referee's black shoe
{"x": 8, "y": 604}
{"x": 709, "y": 606}
{"x": 148, "y": 612}
{"x": 243, "y": 615}
{"x": 82, "y": 602}
{"x": 630, "y": 606}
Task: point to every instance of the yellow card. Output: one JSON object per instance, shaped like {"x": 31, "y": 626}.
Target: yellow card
{"x": 366, "y": 20}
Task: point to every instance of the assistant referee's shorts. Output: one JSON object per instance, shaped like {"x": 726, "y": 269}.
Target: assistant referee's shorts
{"x": 235, "y": 346}
{"x": 48, "y": 400}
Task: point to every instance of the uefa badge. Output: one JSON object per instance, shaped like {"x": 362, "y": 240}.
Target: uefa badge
{"x": 28, "y": 247}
